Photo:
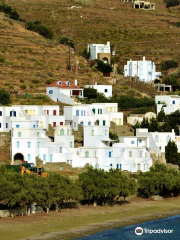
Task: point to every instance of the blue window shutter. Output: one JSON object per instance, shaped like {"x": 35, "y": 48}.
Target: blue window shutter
{"x": 10, "y": 113}
{"x": 14, "y": 113}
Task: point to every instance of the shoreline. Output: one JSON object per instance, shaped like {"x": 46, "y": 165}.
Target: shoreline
{"x": 86, "y": 220}
{"x": 92, "y": 229}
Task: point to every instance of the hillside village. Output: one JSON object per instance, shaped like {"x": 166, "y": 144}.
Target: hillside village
{"x": 100, "y": 98}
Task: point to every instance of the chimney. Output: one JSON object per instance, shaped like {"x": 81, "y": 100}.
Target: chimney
{"x": 75, "y": 82}
{"x": 144, "y": 58}
{"x": 95, "y": 83}
{"x": 108, "y": 44}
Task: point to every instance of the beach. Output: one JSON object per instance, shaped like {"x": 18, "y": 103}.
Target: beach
{"x": 87, "y": 220}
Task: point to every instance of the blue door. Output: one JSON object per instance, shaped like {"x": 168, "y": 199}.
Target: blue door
{"x": 77, "y": 112}
{"x": 109, "y": 154}
{"x": 137, "y": 143}
{"x": 14, "y": 113}
{"x": 51, "y": 158}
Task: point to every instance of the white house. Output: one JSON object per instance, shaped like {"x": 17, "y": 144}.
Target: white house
{"x": 144, "y": 70}
{"x": 134, "y": 118}
{"x": 100, "y": 51}
{"x": 105, "y": 89}
{"x": 170, "y": 103}
{"x": 88, "y": 114}
{"x": 64, "y": 91}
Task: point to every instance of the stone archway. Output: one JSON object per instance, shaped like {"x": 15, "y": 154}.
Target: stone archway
{"x": 18, "y": 158}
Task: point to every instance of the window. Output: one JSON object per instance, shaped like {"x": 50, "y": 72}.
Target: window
{"x": 44, "y": 157}
{"x": 105, "y": 90}
{"x": 86, "y": 154}
{"x": 17, "y": 126}
{"x": 81, "y": 123}
{"x": 51, "y": 92}
{"x": 61, "y": 123}
{"x": 19, "y": 134}
{"x": 140, "y": 154}
{"x": 74, "y": 124}
{"x": 62, "y": 132}
{"x": 29, "y": 157}
{"x": 130, "y": 153}
{"x": 70, "y": 144}
{"x": 132, "y": 142}
{"x": 29, "y": 144}
{"x": 38, "y": 134}
{"x": 140, "y": 141}
{"x": 111, "y": 165}
{"x": 0, "y": 113}
{"x": 77, "y": 112}
{"x": 34, "y": 126}
{"x": 94, "y": 110}
{"x": 159, "y": 102}
{"x": 82, "y": 112}
{"x": 105, "y": 132}
{"x": 157, "y": 138}
{"x": 92, "y": 132}
{"x": 54, "y": 124}
{"x": 89, "y": 123}
{"x": 67, "y": 131}
{"x": 110, "y": 153}
{"x": 60, "y": 83}
{"x": 0, "y": 125}
{"x": 54, "y": 112}
{"x": 99, "y": 111}
{"x": 173, "y": 102}
{"x": 97, "y": 122}
{"x": 17, "y": 144}
{"x": 38, "y": 144}
{"x": 6, "y": 125}
{"x": 67, "y": 161}
{"x": 168, "y": 138}
{"x": 51, "y": 158}
{"x": 68, "y": 83}
{"x": 104, "y": 122}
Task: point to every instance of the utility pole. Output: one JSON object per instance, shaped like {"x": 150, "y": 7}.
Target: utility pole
{"x": 69, "y": 57}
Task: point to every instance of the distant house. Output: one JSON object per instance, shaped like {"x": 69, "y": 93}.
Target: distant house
{"x": 64, "y": 91}
{"x": 134, "y": 118}
{"x": 144, "y": 70}
{"x": 170, "y": 103}
{"x": 100, "y": 51}
{"x": 105, "y": 89}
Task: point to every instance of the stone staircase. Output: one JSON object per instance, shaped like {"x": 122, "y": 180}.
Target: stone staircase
{"x": 121, "y": 130}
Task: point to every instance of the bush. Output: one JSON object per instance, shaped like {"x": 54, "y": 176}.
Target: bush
{"x": 9, "y": 11}
{"x": 90, "y": 93}
{"x": 103, "y": 67}
{"x": 4, "y": 97}
{"x": 143, "y": 110}
{"x": 23, "y": 86}
{"x": 35, "y": 81}
{"x": 2, "y": 58}
{"x": 48, "y": 82}
{"x": 178, "y": 24}
{"x": 38, "y": 27}
{"x": 67, "y": 41}
{"x": 172, "y": 3}
{"x": 169, "y": 64}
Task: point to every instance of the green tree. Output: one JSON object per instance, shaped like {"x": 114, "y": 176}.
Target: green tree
{"x": 161, "y": 116}
{"x": 38, "y": 27}
{"x": 171, "y": 153}
{"x": 172, "y": 3}
{"x": 103, "y": 67}
{"x": 4, "y": 97}
{"x": 90, "y": 93}
{"x": 169, "y": 64}
{"x": 67, "y": 41}
{"x": 153, "y": 125}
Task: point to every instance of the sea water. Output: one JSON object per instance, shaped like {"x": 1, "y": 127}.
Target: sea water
{"x": 165, "y": 229}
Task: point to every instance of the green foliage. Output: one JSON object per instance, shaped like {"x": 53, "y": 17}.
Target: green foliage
{"x": 86, "y": 54}
{"x": 173, "y": 80}
{"x": 23, "y": 86}
{"x": 143, "y": 110}
{"x": 67, "y": 41}
{"x": 172, "y": 3}
{"x": 157, "y": 81}
{"x": 161, "y": 116}
{"x": 4, "y": 97}
{"x": 38, "y": 27}
{"x": 159, "y": 180}
{"x": 177, "y": 24}
{"x": 169, "y": 64}
{"x": 35, "y": 81}
{"x": 171, "y": 153}
{"x": 2, "y": 58}
{"x": 103, "y": 67}
{"x": 97, "y": 185}
{"x": 9, "y": 11}
{"x": 113, "y": 136}
{"x": 152, "y": 126}
{"x": 90, "y": 93}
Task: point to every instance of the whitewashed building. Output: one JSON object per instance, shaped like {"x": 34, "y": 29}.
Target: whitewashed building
{"x": 134, "y": 118}
{"x": 64, "y": 91}
{"x": 105, "y": 89}
{"x": 100, "y": 51}
{"x": 144, "y": 70}
{"x": 88, "y": 114}
{"x": 170, "y": 103}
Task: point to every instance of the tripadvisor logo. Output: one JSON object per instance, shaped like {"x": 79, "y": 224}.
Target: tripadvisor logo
{"x": 139, "y": 231}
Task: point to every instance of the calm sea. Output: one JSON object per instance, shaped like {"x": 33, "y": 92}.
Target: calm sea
{"x": 165, "y": 229}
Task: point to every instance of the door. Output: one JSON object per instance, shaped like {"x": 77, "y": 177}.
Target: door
{"x": 54, "y": 124}
{"x": 54, "y": 112}
{"x": 51, "y": 158}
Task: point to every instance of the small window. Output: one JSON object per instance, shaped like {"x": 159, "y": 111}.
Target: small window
{"x": 18, "y": 144}
{"x": 74, "y": 124}
{"x": 89, "y": 123}
{"x": 111, "y": 165}
{"x": 110, "y": 154}
{"x": 17, "y": 126}
{"x": 86, "y": 154}
{"x": 0, "y": 113}
{"x": 159, "y": 102}
{"x": 44, "y": 157}
{"x": 6, "y": 125}
{"x": 0, "y": 125}
{"x": 62, "y": 132}
{"x": 51, "y": 92}
{"x": 105, "y": 132}
{"x": 92, "y": 132}
{"x": 38, "y": 134}
{"x": 68, "y": 83}
{"x": 70, "y": 144}
{"x": 29, "y": 144}
{"x": 29, "y": 157}
{"x": 61, "y": 123}
{"x": 67, "y": 131}
{"x": 105, "y": 90}
{"x": 19, "y": 134}
{"x": 94, "y": 110}
{"x": 173, "y": 102}
{"x": 60, "y": 83}
{"x": 54, "y": 124}
{"x": 132, "y": 142}
{"x": 82, "y": 124}
{"x": 140, "y": 141}
{"x": 97, "y": 122}
{"x": 38, "y": 144}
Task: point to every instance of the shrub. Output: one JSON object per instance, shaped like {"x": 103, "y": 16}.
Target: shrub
{"x": 67, "y": 41}
{"x": 9, "y": 11}
{"x": 38, "y": 27}
{"x": 48, "y": 82}
{"x": 178, "y": 24}
{"x": 2, "y": 58}
{"x": 172, "y": 3}
{"x": 4, "y": 97}
{"x": 35, "y": 81}
{"x": 21, "y": 81}
{"x": 23, "y": 86}
{"x": 103, "y": 67}
{"x": 169, "y": 64}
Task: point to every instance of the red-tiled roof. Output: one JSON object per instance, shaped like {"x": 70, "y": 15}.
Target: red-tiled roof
{"x": 64, "y": 84}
